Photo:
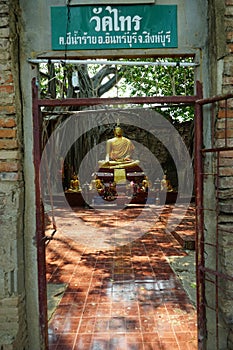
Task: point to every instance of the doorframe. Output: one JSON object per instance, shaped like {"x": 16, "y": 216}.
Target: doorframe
{"x": 37, "y": 103}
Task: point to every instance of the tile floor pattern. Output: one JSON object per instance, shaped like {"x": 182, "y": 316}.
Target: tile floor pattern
{"x": 126, "y": 298}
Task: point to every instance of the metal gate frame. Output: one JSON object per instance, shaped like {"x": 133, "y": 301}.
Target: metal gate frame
{"x": 202, "y": 271}
{"x": 198, "y": 102}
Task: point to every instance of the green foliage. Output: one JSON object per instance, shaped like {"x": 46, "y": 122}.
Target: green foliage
{"x": 161, "y": 80}
{"x": 53, "y": 75}
{"x": 144, "y": 80}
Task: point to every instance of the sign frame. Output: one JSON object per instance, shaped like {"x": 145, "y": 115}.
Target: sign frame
{"x": 102, "y": 2}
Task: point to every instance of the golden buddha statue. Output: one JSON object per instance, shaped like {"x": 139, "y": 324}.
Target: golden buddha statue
{"x": 119, "y": 150}
{"x": 166, "y": 185}
{"x": 99, "y": 185}
{"x": 146, "y": 184}
{"x": 74, "y": 184}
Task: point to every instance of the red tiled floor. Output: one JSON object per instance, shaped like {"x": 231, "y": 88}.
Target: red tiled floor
{"x": 123, "y": 297}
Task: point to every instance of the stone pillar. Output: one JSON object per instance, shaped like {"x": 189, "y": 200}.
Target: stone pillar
{"x": 222, "y": 83}
{"x": 226, "y": 173}
{"x": 13, "y": 325}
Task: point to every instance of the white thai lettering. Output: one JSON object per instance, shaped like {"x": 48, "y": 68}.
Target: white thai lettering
{"x": 97, "y": 11}
{"x": 68, "y": 38}
{"x": 61, "y": 40}
{"x": 136, "y": 19}
{"x": 125, "y": 20}
{"x": 73, "y": 39}
{"x": 115, "y": 17}
{"x": 115, "y": 22}
{"x": 107, "y": 23}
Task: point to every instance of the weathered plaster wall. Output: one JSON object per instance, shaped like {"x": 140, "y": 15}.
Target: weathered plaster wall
{"x": 225, "y": 226}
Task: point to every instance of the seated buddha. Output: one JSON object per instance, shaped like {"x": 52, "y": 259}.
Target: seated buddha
{"x": 119, "y": 151}
{"x": 166, "y": 185}
{"x": 97, "y": 185}
{"x": 74, "y": 184}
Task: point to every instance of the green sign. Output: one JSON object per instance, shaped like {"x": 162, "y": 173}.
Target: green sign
{"x": 114, "y": 27}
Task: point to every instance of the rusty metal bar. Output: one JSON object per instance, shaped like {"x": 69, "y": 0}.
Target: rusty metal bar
{"x": 208, "y": 209}
{"x": 225, "y": 123}
{"x": 200, "y": 275}
{"x": 217, "y": 149}
{"x": 119, "y": 101}
{"x": 204, "y": 101}
{"x": 212, "y": 123}
{"x": 219, "y": 274}
{"x": 40, "y": 230}
{"x": 210, "y": 244}
{"x": 214, "y": 273}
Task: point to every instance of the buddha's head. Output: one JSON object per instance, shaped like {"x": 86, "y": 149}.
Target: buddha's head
{"x": 118, "y": 132}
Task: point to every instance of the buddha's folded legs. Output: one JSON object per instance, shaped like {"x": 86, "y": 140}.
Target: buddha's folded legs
{"x": 119, "y": 165}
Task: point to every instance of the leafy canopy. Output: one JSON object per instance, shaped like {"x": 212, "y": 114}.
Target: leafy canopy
{"x": 96, "y": 80}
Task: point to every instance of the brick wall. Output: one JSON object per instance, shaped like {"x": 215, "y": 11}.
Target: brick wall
{"x": 225, "y": 221}
{"x": 13, "y": 333}
{"x": 9, "y": 157}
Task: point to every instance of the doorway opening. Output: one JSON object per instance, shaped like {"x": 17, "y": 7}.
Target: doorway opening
{"x": 38, "y": 104}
